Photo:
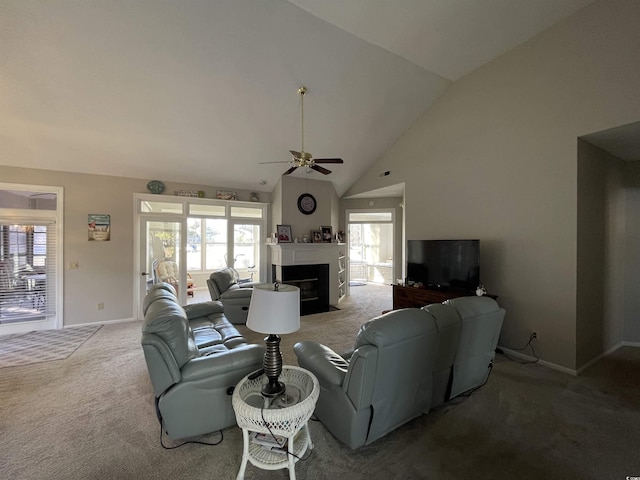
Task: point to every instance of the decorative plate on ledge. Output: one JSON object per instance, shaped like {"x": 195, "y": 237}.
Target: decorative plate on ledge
{"x": 155, "y": 186}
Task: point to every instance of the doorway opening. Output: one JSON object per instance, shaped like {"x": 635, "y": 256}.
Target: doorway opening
{"x": 371, "y": 244}
{"x": 30, "y": 258}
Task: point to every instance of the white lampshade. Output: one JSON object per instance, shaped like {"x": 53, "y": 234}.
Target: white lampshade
{"x": 274, "y": 311}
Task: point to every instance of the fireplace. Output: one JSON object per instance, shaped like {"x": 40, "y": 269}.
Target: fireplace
{"x": 313, "y": 282}
{"x": 314, "y": 268}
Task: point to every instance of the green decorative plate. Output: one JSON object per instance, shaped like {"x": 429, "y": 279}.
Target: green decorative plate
{"x": 155, "y": 186}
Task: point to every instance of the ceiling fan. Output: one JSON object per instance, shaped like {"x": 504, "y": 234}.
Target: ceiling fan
{"x": 305, "y": 159}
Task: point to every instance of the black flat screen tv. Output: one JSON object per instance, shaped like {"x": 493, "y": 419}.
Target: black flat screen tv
{"x": 447, "y": 265}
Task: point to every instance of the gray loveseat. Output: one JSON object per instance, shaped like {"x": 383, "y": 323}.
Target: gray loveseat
{"x": 194, "y": 355}
{"x": 403, "y": 363}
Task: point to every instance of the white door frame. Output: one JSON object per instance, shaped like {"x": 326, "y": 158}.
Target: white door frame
{"x": 56, "y": 216}
{"x": 348, "y": 239}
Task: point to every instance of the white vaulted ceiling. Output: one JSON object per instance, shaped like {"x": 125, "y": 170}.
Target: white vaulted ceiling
{"x": 201, "y": 91}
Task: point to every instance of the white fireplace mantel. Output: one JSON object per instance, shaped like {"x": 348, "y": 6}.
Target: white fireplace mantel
{"x": 284, "y": 254}
{"x": 288, "y": 254}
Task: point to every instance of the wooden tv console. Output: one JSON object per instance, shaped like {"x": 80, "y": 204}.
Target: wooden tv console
{"x": 413, "y": 297}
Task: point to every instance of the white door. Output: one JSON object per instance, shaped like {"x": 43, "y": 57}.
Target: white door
{"x": 162, "y": 255}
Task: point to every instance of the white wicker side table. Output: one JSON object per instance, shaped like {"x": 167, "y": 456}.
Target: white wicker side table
{"x": 284, "y": 417}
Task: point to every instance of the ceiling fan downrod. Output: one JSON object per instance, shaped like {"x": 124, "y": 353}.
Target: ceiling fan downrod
{"x": 301, "y": 92}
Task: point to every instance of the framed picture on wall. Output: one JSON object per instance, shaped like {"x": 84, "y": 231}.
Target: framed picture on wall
{"x": 284, "y": 233}
{"x": 326, "y": 234}
{"x": 316, "y": 236}
{"x": 99, "y": 227}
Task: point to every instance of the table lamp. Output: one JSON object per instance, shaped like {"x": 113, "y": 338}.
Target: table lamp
{"x": 274, "y": 310}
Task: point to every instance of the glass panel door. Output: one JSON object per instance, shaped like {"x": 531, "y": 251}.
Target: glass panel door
{"x": 163, "y": 256}
{"x": 371, "y": 244}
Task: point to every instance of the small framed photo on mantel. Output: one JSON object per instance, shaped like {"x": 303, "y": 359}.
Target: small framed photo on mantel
{"x": 316, "y": 236}
{"x": 284, "y": 234}
{"x": 326, "y": 234}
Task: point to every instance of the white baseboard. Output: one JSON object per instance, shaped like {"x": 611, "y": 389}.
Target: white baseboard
{"x": 569, "y": 371}
{"x": 528, "y": 358}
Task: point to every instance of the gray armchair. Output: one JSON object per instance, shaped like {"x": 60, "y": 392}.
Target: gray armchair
{"x": 193, "y": 355}
{"x": 385, "y": 382}
{"x": 225, "y": 286}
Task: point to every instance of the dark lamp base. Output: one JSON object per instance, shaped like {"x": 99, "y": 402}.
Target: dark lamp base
{"x": 273, "y": 367}
{"x": 273, "y": 389}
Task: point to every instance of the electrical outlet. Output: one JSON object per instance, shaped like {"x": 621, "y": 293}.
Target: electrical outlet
{"x": 534, "y": 335}
{"x": 100, "y": 306}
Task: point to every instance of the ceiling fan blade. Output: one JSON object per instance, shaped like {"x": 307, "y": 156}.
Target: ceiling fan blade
{"x": 320, "y": 169}
{"x": 281, "y": 161}
{"x": 328, "y": 160}
{"x": 290, "y": 170}
{"x": 296, "y": 154}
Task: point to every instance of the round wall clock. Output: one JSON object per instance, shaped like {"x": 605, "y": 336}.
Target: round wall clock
{"x": 307, "y": 203}
{"x": 155, "y": 186}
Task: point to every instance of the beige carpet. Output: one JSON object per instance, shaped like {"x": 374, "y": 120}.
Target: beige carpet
{"x": 91, "y": 416}
{"x": 338, "y": 328}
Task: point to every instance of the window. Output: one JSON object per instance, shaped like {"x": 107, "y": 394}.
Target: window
{"x": 26, "y": 245}
{"x": 207, "y": 247}
{"x": 206, "y": 244}
{"x": 161, "y": 207}
{"x": 217, "y": 233}
{"x": 246, "y": 212}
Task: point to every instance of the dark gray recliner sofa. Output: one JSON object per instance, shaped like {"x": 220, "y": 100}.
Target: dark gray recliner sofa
{"x": 194, "y": 355}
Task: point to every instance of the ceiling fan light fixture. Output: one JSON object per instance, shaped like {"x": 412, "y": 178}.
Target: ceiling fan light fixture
{"x": 302, "y": 158}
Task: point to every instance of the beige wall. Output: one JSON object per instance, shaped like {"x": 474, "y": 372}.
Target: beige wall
{"x": 600, "y": 252}
{"x": 495, "y": 158}
{"x": 286, "y": 208}
{"x": 631, "y": 175}
{"x": 106, "y": 271}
